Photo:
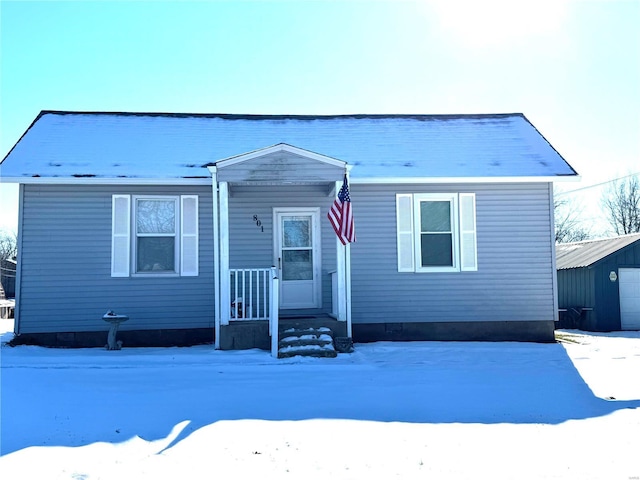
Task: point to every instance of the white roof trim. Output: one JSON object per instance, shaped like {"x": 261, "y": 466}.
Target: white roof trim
{"x": 280, "y": 147}
{"x": 207, "y": 180}
{"x": 107, "y": 181}
{"x": 409, "y": 180}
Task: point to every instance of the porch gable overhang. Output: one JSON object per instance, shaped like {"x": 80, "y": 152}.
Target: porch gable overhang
{"x": 280, "y": 164}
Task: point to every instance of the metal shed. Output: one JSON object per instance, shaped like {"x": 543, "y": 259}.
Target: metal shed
{"x": 599, "y": 283}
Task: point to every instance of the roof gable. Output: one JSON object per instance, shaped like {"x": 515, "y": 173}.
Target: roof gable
{"x": 280, "y": 163}
{"x": 69, "y": 145}
{"x": 590, "y": 252}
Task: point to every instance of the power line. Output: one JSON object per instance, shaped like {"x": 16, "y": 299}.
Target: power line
{"x": 597, "y": 184}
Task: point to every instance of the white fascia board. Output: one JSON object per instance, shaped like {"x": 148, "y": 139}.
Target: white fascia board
{"x": 281, "y": 147}
{"x": 107, "y": 181}
{"x": 411, "y": 180}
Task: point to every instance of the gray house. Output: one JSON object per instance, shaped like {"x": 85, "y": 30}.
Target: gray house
{"x": 599, "y": 283}
{"x": 213, "y": 228}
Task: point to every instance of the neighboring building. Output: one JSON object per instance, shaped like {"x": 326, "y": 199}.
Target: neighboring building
{"x": 177, "y": 219}
{"x": 8, "y": 278}
{"x": 599, "y": 283}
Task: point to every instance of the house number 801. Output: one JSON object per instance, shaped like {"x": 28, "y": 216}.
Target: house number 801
{"x": 258, "y": 223}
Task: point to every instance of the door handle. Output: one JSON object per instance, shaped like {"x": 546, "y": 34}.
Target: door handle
{"x": 279, "y": 263}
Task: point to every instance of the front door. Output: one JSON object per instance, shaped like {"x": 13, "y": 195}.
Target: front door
{"x": 297, "y": 255}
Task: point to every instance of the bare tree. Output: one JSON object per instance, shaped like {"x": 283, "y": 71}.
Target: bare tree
{"x": 621, "y": 202}
{"x": 8, "y": 245}
{"x": 570, "y": 227}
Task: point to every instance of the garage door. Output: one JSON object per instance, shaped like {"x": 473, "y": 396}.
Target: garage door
{"x": 629, "y": 279}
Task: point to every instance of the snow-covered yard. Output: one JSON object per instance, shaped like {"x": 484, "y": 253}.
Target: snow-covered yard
{"x": 389, "y": 410}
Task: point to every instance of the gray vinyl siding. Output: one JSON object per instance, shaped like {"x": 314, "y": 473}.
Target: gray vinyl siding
{"x": 514, "y": 281}
{"x": 66, "y": 282}
{"x": 252, "y": 247}
{"x": 66, "y": 254}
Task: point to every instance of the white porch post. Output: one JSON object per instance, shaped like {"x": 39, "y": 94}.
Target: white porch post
{"x": 340, "y": 272}
{"x": 225, "y": 288}
{"x": 216, "y": 257}
{"x": 347, "y": 276}
{"x": 274, "y": 328}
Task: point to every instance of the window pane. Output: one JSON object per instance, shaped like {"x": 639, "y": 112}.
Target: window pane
{"x": 156, "y": 254}
{"x": 156, "y": 216}
{"x": 436, "y": 250}
{"x": 435, "y": 216}
{"x": 296, "y": 232}
{"x": 297, "y": 265}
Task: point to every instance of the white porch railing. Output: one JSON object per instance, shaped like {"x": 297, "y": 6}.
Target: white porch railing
{"x": 254, "y": 296}
{"x": 250, "y": 290}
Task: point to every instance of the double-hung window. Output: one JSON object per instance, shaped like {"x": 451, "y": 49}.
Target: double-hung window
{"x": 436, "y": 232}
{"x": 154, "y": 235}
{"x": 156, "y": 243}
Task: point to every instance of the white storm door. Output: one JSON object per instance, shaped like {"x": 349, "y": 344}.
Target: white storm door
{"x": 297, "y": 255}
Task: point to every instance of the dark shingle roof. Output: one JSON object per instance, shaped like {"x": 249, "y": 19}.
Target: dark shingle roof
{"x": 168, "y": 146}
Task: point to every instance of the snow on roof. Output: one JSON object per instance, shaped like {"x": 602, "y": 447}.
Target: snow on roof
{"x": 588, "y": 252}
{"x": 166, "y": 146}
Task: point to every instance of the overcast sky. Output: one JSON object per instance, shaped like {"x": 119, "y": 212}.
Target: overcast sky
{"x": 573, "y": 68}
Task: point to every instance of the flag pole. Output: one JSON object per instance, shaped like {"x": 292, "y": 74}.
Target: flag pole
{"x": 340, "y": 268}
{"x": 347, "y": 271}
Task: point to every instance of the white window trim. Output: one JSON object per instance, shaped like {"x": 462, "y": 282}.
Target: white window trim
{"x": 184, "y": 235}
{"x": 455, "y": 240}
{"x": 409, "y": 228}
{"x": 175, "y": 235}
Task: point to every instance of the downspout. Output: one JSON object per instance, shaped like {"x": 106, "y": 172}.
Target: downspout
{"x": 16, "y": 310}
{"x": 216, "y": 257}
{"x": 554, "y": 269}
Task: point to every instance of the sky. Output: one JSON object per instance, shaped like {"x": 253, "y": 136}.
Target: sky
{"x": 573, "y": 68}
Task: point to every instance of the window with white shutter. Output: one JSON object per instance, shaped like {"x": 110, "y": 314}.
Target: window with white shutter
{"x": 154, "y": 235}
{"x": 436, "y": 232}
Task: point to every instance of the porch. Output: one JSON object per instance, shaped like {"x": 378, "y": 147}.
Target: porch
{"x": 278, "y": 263}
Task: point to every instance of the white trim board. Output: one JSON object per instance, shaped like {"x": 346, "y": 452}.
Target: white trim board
{"x": 206, "y": 180}
{"x": 356, "y": 180}
{"x": 280, "y": 147}
{"x": 440, "y": 180}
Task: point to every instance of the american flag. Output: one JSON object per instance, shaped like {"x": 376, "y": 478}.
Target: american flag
{"x": 341, "y": 217}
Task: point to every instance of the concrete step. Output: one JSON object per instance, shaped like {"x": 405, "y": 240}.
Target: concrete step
{"x": 308, "y": 351}
{"x": 320, "y": 339}
{"x": 307, "y": 342}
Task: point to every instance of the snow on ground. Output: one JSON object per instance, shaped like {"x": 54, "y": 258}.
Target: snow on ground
{"x": 388, "y": 410}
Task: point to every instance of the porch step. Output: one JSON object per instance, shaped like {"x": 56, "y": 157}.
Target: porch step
{"x": 307, "y": 342}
